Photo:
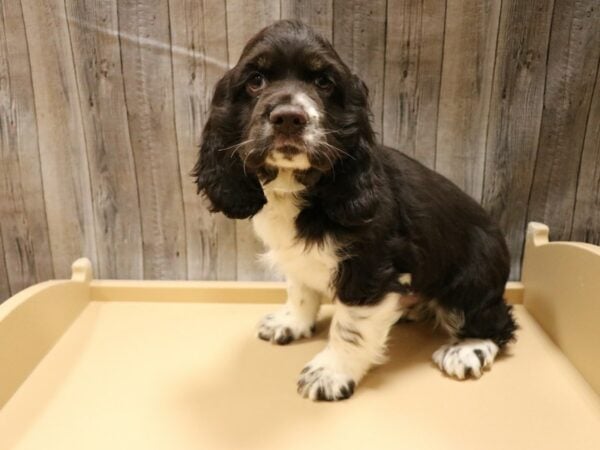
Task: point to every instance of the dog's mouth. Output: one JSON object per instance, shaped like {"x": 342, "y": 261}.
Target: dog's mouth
{"x": 277, "y": 152}
{"x": 289, "y": 153}
{"x": 284, "y": 164}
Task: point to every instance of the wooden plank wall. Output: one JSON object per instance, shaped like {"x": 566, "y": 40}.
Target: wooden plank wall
{"x": 102, "y": 103}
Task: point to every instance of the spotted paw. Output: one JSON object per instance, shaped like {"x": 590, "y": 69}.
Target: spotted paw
{"x": 466, "y": 358}
{"x": 321, "y": 380}
{"x": 282, "y": 327}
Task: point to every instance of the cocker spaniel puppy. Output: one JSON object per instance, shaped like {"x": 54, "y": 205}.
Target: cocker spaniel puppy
{"x": 289, "y": 143}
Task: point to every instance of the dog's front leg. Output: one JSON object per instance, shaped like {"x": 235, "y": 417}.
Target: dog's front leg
{"x": 357, "y": 341}
{"x": 295, "y": 320}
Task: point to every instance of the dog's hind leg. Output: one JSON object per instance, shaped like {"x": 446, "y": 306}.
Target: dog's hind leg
{"x": 477, "y": 337}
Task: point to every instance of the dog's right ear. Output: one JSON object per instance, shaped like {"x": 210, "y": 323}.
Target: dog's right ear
{"x": 219, "y": 172}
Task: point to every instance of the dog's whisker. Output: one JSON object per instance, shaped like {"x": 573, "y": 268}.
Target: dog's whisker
{"x": 337, "y": 149}
{"x": 326, "y": 131}
{"x": 244, "y": 162}
{"x": 236, "y": 146}
{"x": 331, "y": 165}
{"x": 239, "y": 146}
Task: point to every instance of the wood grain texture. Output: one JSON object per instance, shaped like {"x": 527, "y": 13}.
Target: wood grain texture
{"x": 359, "y": 38}
{"x": 467, "y": 70}
{"x": 572, "y": 66}
{"x": 93, "y": 28}
{"x": 586, "y": 220}
{"x": 515, "y": 116}
{"x": 102, "y": 103}
{"x": 200, "y": 58}
{"x": 64, "y": 163}
{"x": 23, "y": 224}
{"x": 413, "y": 63}
{"x": 316, "y": 13}
{"x": 147, "y": 72}
{"x": 4, "y": 285}
{"x": 244, "y": 19}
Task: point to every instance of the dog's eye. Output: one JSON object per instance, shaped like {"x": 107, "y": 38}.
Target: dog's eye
{"x": 255, "y": 83}
{"x": 323, "y": 82}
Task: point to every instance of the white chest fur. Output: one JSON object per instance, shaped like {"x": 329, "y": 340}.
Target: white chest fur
{"x": 312, "y": 266}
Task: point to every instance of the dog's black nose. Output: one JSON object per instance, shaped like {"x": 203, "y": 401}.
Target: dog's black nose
{"x": 288, "y": 119}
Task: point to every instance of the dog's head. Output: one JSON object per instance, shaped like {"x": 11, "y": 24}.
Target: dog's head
{"x": 290, "y": 104}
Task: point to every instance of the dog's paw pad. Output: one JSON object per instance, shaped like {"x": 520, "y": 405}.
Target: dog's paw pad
{"x": 466, "y": 358}
{"x": 282, "y": 328}
{"x": 322, "y": 383}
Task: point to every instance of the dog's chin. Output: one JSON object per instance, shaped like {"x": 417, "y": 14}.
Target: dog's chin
{"x": 284, "y": 183}
{"x": 288, "y": 170}
{"x": 290, "y": 162}
{"x": 289, "y": 156}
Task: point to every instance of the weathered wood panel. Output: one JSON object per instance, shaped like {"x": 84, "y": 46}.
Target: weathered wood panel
{"x": 413, "y": 63}
{"x": 200, "y": 58}
{"x": 23, "y": 223}
{"x": 359, "y": 38}
{"x": 4, "y": 286}
{"x": 244, "y": 19}
{"x": 515, "y": 116}
{"x": 64, "y": 162}
{"x": 586, "y": 220}
{"x": 102, "y": 103}
{"x": 317, "y": 13}
{"x": 572, "y": 66}
{"x": 92, "y": 25}
{"x": 147, "y": 72}
{"x": 467, "y": 70}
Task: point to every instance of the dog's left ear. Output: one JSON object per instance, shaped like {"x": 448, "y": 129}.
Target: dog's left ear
{"x": 219, "y": 171}
{"x": 351, "y": 200}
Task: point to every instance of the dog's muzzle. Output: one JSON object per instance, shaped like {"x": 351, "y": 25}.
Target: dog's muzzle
{"x": 288, "y": 123}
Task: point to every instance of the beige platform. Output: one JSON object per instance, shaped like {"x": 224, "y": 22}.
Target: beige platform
{"x": 93, "y": 364}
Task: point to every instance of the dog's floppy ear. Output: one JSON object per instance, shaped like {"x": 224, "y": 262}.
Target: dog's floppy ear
{"x": 350, "y": 199}
{"x": 219, "y": 172}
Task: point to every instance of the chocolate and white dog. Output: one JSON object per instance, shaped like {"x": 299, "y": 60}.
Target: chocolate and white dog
{"x": 289, "y": 143}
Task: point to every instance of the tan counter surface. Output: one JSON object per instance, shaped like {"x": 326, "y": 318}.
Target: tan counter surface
{"x": 152, "y": 375}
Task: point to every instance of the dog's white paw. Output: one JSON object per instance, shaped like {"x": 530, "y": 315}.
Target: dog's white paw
{"x": 283, "y": 327}
{"x": 466, "y": 358}
{"x": 324, "y": 379}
